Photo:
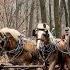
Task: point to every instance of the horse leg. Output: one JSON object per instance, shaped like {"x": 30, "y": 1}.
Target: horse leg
{"x": 52, "y": 61}
{"x": 68, "y": 62}
{"x": 61, "y": 61}
{"x": 52, "y": 65}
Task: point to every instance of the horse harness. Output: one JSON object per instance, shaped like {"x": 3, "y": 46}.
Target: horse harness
{"x": 46, "y": 50}
{"x": 65, "y": 51}
{"x": 18, "y": 50}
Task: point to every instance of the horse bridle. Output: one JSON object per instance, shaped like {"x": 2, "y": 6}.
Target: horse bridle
{"x": 3, "y": 43}
{"x": 41, "y": 30}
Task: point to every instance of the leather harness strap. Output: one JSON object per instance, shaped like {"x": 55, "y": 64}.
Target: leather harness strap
{"x": 18, "y": 49}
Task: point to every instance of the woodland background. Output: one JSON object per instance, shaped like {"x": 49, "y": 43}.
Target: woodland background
{"x": 24, "y": 15}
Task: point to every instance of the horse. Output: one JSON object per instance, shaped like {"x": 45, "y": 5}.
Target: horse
{"x": 55, "y": 46}
{"x": 66, "y": 36}
{"x": 20, "y": 50}
{"x": 43, "y": 40}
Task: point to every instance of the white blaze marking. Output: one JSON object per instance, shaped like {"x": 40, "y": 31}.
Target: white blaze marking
{"x": 39, "y": 37}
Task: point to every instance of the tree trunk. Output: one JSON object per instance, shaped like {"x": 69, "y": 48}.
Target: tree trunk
{"x": 37, "y": 11}
{"x": 66, "y": 14}
{"x": 61, "y": 10}
{"x": 43, "y": 11}
{"x": 6, "y": 14}
{"x": 16, "y": 14}
{"x": 31, "y": 19}
{"x": 50, "y": 14}
{"x": 69, "y": 11}
{"x": 26, "y": 17}
{"x": 56, "y": 18}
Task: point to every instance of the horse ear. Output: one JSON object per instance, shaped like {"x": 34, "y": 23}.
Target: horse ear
{"x": 44, "y": 25}
{"x": 33, "y": 33}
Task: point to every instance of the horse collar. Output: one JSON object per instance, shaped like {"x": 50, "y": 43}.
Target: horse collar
{"x": 18, "y": 49}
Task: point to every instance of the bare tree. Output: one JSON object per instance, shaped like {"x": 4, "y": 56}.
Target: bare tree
{"x": 6, "y": 13}
{"x": 26, "y": 18}
{"x": 31, "y": 18}
{"x": 18, "y": 6}
{"x": 50, "y": 14}
{"x": 23, "y": 14}
{"x": 37, "y": 10}
{"x": 17, "y": 10}
{"x": 43, "y": 10}
{"x": 56, "y": 18}
{"x": 61, "y": 9}
{"x": 66, "y": 13}
{"x": 69, "y": 11}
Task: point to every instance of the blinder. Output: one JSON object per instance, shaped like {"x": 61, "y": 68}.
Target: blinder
{"x": 3, "y": 43}
{"x": 2, "y": 40}
{"x": 46, "y": 33}
{"x": 33, "y": 33}
{"x": 40, "y": 29}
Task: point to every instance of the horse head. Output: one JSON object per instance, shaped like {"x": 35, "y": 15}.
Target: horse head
{"x": 41, "y": 33}
{"x": 10, "y": 42}
{"x": 9, "y": 38}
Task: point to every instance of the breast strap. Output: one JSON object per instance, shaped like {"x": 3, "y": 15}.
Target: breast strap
{"x": 18, "y": 49}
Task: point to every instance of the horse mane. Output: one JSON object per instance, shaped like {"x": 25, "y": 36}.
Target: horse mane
{"x": 4, "y": 30}
{"x": 29, "y": 44}
{"x": 52, "y": 38}
{"x": 31, "y": 40}
{"x": 40, "y": 26}
{"x": 13, "y": 32}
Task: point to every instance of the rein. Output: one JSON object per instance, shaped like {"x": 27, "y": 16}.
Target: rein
{"x": 17, "y": 51}
{"x": 40, "y": 29}
{"x": 14, "y": 51}
{"x": 19, "y": 45}
{"x": 47, "y": 49}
